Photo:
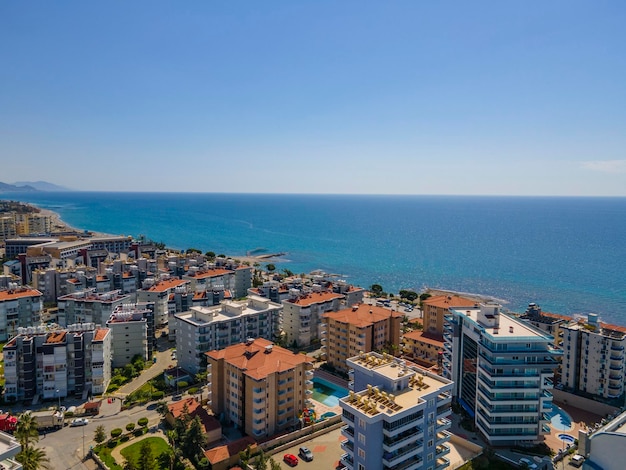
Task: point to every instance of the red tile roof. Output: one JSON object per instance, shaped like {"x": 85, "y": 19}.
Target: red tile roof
{"x": 362, "y": 315}
{"x": 18, "y": 293}
{"x": 100, "y": 334}
{"x": 445, "y": 301}
{"x": 428, "y": 338}
{"x": 222, "y": 453}
{"x": 316, "y": 298}
{"x": 209, "y": 273}
{"x": 255, "y": 359}
{"x": 167, "y": 284}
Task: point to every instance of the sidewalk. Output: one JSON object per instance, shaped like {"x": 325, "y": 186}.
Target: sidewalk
{"x": 116, "y": 453}
{"x": 164, "y": 361}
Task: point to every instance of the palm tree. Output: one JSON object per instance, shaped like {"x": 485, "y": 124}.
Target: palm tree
{"x": 33, "y": 458}
{"x": 26, "y": 431}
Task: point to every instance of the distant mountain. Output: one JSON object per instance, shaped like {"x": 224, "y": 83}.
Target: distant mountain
{"x": 13, "y": 188}
{"x": 41, "y": 185}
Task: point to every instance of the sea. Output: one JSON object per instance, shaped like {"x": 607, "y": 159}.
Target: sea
{"x": 567, "y": 254}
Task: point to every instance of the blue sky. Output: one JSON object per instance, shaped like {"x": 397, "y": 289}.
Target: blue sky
{"x": 405, "y": 97}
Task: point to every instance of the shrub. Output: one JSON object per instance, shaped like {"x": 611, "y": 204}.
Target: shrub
{"x": 117, "y": 432}
{"x": 158, "y": 395}
{"x": 112, "y": 388}
{"x": 182, "y": 384}
{"x": 130, "y": 426}
{"x": 69, "y": 414}
{"x": 192, "y": 390}
{"x": 124, "y": 438}
{"x": 143, "y": 422}
{"x": 139, "y": 432}
{"x": 112, "y": 443}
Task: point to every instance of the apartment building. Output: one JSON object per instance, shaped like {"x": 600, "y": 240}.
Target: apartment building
{"x": 89, "y": 306}
{"x": 20, "y": 306}
{"x": 258, "y": 387}
{"x": 424, "y": 348}
{"x": 130, "y": 334}
{"x": 54, "y": 283}
{"x": 435, "y": 309}
{"x": 7, "y": 226}
{"x": 593, "y": 358}
{"x": 202, "y": 329}
{"x": 302, "y": 314}
{"x": 396, "y": 417}
{"x": 30, "y": 222}
{"x": 9, "y": 448}
{"x": 159, "y": 292}
{"x": 53, "y": 363}
{"x": 361, "y": 328}
{"x": 502, "y": 370}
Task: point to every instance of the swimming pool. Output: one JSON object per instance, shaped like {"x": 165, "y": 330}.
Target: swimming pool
{"x": 559, "y": 419}
{"x": 567, "y": 438}
{"x": 326, "y": 392}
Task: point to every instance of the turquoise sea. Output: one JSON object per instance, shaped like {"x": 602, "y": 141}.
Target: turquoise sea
{"x": 566, "y": 254}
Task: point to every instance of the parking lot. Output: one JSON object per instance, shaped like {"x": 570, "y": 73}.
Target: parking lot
{"x": 325, "y": 448}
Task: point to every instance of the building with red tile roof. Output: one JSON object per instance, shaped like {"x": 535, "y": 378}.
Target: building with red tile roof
{"x": 19, "y": 307}
{"x": 361, "y": 328}
{"x": 259, "y": 387}
{"x": 436, "y": 308}
{"x": 422, "y": 346}
{"x": 224, "y": 457}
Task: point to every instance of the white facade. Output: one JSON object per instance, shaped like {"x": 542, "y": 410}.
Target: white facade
{"x": 503, "y": 370}
{"x": 205, "y": 328}
{"x": 398, "y": 418}
{"x": 593, "y": 358}
{"x": 19, "y": 307}
{"x": 129, "y": 333}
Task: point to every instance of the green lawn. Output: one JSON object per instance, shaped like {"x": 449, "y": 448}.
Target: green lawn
{"x": 158, "y": 445}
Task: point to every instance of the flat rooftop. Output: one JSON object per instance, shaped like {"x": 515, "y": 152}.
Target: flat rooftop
{"x": 506, "y": 327}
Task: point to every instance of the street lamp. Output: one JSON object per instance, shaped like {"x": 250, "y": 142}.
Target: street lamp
{"x": 83, "y": 443}
{"x": 59, "y": 397}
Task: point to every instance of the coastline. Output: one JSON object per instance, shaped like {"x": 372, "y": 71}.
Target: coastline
{"x": 59, "y": 225}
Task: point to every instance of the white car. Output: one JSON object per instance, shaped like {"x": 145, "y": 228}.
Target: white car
{"x": 526, "y": 463}
{"x": 79, "y": 422}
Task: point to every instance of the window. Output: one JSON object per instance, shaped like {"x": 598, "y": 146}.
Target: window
{"x": 362, "y": 438}
{"x": 362, "y": 453}
{"x": 361, "y": 423}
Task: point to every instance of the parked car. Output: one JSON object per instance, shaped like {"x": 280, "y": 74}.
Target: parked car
{"x": 79, "y": 422}
{"x": 305, "y": 453}
{"x": 290, "y": 460}
{"x": 577, "y": 460}
{"x": 526, "y": 463}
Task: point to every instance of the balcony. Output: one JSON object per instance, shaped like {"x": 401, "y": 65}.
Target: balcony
{"x": 347, "y": 460}
{"x": 348, "y": 446}
{"x": 442, "y": 437}
{"x": 390, "y": 459}
{"x": 348, "y": 431}
{"x": 442, "y": 463}
{"x": 443, "y": 423}
{"x": 442, "y": 450}
{"x": 412, "y": 463}
{"x": 617, "y": 347}
{"x": 411, "y": 436}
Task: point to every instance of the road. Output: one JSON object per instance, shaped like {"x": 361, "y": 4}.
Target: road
{"x": 66, "y": 447}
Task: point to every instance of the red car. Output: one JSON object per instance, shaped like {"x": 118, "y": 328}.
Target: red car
{"x": 291, "y": 460}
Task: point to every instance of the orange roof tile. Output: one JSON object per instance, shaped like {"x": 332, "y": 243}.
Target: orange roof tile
{"x": 100, "y": 334}
{"x": 222, "y": 453}
{"x": 445, "y": 301}
{"x": 56, "y": 337}
{"x": 162, "y": 286}
{"x": 18, "y": 293}
{"x": 177, "y": 408}
{"x": 362, "y": 315}
{"x": 210, "y": 273}
{"x": 316, "y": 298}
{"x": 254, "y": 359}
{"x": 428, "y": 338}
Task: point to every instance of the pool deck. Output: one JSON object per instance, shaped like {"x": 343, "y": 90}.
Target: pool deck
{"x": 321, "y": 408}
{"x": 580, "y": 420}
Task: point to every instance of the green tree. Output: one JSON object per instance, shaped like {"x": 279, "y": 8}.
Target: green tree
{"x": 409, "y": 295}
{"x": 162, "y": 409}
{"x": 167, "y": 459}
{"x": 99, "y": 435}
{"x": 287, "y": 272}
{"x": 129, "y": 464}
{"x": 260, "y": 463}
{"x": 193, "y": 250}
{"x": 274, "y": 465}
{"x": 210, "y": 255}
{"x": 270, "y": 267}
{"x": 424, "y": 296}
{"x": 26, "y": 431}
{"x": 146, "y": 458}
{"x": 376, "y": 289}
{"x": 33, "y": 458}
{"x": 194, "y": 439}
{"x": 244, "y": 457}
{"x": 130, "y": 427}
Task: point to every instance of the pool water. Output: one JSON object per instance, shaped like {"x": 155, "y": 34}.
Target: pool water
{"x": 559, "y": 419}
{"x": 327, "y": 393}
{"x": 567, "y": 438}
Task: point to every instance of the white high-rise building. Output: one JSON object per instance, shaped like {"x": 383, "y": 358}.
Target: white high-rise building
{"x": 502, "y": 370}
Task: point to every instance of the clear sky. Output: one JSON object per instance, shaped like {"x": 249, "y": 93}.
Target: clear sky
{"x": 396, "y": 97}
